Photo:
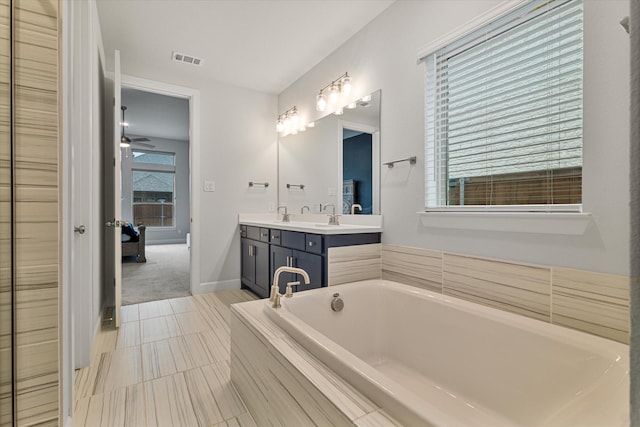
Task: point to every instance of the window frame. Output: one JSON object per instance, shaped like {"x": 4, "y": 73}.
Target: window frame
{"x": 156, "y": 167}
{"x": 435, "y": 178}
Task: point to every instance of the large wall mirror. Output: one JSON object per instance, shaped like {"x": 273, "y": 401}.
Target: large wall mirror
{"x": 336, "y": 162}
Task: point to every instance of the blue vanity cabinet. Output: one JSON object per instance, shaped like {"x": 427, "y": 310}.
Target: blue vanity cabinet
{"x": 266, "y": 249}
{"x": 311, "y": 263}
{"x": 254, "y": 262}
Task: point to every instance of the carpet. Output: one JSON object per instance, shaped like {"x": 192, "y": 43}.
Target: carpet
{"x": 164, "y": 275}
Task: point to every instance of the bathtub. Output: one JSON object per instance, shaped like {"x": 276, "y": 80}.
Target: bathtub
{"x": 429, "y": 359}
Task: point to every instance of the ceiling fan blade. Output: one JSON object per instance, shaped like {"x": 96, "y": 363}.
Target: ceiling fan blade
{"x": 141, "y": 139}
{"x": 141, "y": 144}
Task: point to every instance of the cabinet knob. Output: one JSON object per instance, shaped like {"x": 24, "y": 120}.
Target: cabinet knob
{"x": 310, "y": 243}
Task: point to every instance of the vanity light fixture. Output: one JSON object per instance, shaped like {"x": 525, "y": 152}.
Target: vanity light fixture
{"x": 289, "y": 122}
{"x": 337, "y": 88}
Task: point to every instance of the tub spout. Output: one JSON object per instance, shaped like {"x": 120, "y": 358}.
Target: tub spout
{"x": 275, "y": 289}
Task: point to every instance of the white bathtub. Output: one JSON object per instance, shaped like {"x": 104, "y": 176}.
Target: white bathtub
{"x": 429, "y": 359}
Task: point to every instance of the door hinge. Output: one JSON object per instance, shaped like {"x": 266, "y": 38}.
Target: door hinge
{"x": 114, "y": 162}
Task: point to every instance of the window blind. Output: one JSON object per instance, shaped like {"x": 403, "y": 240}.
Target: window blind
{"x": 504, "y": 111}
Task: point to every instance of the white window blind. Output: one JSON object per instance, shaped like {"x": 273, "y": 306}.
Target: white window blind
{"x": 504, "y": 112}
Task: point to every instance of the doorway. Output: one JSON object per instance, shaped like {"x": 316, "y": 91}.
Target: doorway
{"x": 156, "y": 199}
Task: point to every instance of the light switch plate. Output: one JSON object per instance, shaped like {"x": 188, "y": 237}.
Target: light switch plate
{"x": 209, "y": 185}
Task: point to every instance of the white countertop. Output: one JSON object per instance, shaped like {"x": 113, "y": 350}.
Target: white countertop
{"x": 314, "y": 223}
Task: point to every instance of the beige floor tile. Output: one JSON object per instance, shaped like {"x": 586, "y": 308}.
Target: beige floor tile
{"x": 189, "y": 352}
{"x": 119, "y": 368}
{"x": 130, "y": 313}
{"x": 182, "y": 305}
{"x": 191, "y": 322}
{"x": 128, "y": 335}
{"x": 157, "y": 360}
{"x": 163, "y": 368}
{"x": 217, "y": 343}
{"x": 168, "y": 402}
{"x": 244, "y": 420}
{"x": 121, "y": 407}
{"x": 153, "y": 309}
{"x": 218, "y": 378}
{"x": 158, "y": 328}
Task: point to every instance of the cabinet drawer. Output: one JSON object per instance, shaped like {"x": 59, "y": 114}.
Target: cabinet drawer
{"x": 293, "y": 240}
{"x": 275, "y": 237}
{"x": 264, "y": 235}
{"x": 314, "y": 243}
{"x": 253, "y": 233}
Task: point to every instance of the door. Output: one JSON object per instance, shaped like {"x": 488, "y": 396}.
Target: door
{"x": 280, "y": 257}
{"x": 112, "y": 202}
{"x": 310, "y": 263}
{"x": 248, "y": 264}
{"x": 261, "y": 255}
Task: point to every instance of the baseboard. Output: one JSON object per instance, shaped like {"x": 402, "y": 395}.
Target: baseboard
{"x": 151, "y": 242}
{"x": 222, "y": 285}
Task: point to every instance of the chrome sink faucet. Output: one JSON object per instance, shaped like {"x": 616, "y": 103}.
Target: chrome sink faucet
{"x": 303, "y": 208}
{"x": 285, "y": 215}
{"x": 354, "y": 207}
{"x": 333, "y": 218}
{"x": 275, "y": 289}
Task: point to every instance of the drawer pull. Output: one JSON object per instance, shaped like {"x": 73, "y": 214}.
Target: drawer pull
{"x": 310, "y": 243}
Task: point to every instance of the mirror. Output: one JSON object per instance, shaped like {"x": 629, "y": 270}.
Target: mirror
{"x": 337, "y": 161}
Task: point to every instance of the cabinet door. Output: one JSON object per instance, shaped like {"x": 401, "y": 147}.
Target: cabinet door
{"x": 280, "y": 257}
{"x": 248, "y": 263}
{"x": 261, "y": 257}
{"x": 312, "y": 264}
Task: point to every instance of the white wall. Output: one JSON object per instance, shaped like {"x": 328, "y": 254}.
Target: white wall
{"x": 162, "y": 235}
{"x": 237, "y": 145}
{"x": 383, "y": 56}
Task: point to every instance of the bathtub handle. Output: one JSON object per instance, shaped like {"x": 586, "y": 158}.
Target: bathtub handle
{"x": 289, "y": 292}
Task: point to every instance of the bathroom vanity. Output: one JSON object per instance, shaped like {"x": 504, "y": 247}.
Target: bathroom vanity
{"x": 268, "y": 243}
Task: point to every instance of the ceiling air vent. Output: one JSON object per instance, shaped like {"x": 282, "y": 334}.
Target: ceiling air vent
{"x": 189, "y": 59}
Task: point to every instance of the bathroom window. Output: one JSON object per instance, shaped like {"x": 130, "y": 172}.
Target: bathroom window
{"x": 153, "y": 181}
{"x": 504, "y": 113}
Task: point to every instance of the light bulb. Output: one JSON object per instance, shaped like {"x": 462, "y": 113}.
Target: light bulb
{"x": 333, "y": 93}
{"x": 346, "y": 85}
{"x": 339, "y": 111}
{"x": 366, "y": 98}
{"x": 294, "y": 118}
{"x": 351, "y": 106}
{"x": 279, "y": 126}
{"x": 321, "y": 102}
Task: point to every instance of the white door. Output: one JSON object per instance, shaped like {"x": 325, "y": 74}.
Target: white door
{"x": 113, "y": 209}
{"x": 117, "y": 188}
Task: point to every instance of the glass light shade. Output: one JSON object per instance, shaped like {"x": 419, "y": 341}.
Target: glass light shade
{"x": 333, "y": 93}
{"x": 366, "y": 98}
{"x": 321, "y": 102}
{"x": 339, "y": 111}
{"x": 351, "y": 106}
{"x": 346, "y": 85}
{"x": 295, "y": 118}
{"x": 279, "y": 126}
{"x": 311, "y": 125}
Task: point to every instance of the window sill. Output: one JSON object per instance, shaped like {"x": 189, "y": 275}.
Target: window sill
{"x": 565, "y": 223}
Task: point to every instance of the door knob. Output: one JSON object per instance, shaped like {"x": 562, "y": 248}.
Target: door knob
{"x": 114, "y": 223}
{"x": 80, "y": 229}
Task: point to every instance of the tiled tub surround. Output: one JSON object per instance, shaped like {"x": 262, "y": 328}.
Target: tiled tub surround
{"x": 423, "y": 358}
{"x": 283, "y": 385}
{"x": 591, "y": 302}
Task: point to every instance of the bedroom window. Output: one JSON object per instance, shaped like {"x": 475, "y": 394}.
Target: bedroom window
{"x": 153, "y": 181}
{"x": 504, "y": 114}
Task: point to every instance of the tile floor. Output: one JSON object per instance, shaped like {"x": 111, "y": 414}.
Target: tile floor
{"x": 168, "y": 365}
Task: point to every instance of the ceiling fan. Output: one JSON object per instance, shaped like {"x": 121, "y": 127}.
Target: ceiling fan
{"x": 125, "y": 141}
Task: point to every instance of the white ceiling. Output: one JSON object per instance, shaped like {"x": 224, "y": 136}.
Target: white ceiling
{"x": 264, "y": 45}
